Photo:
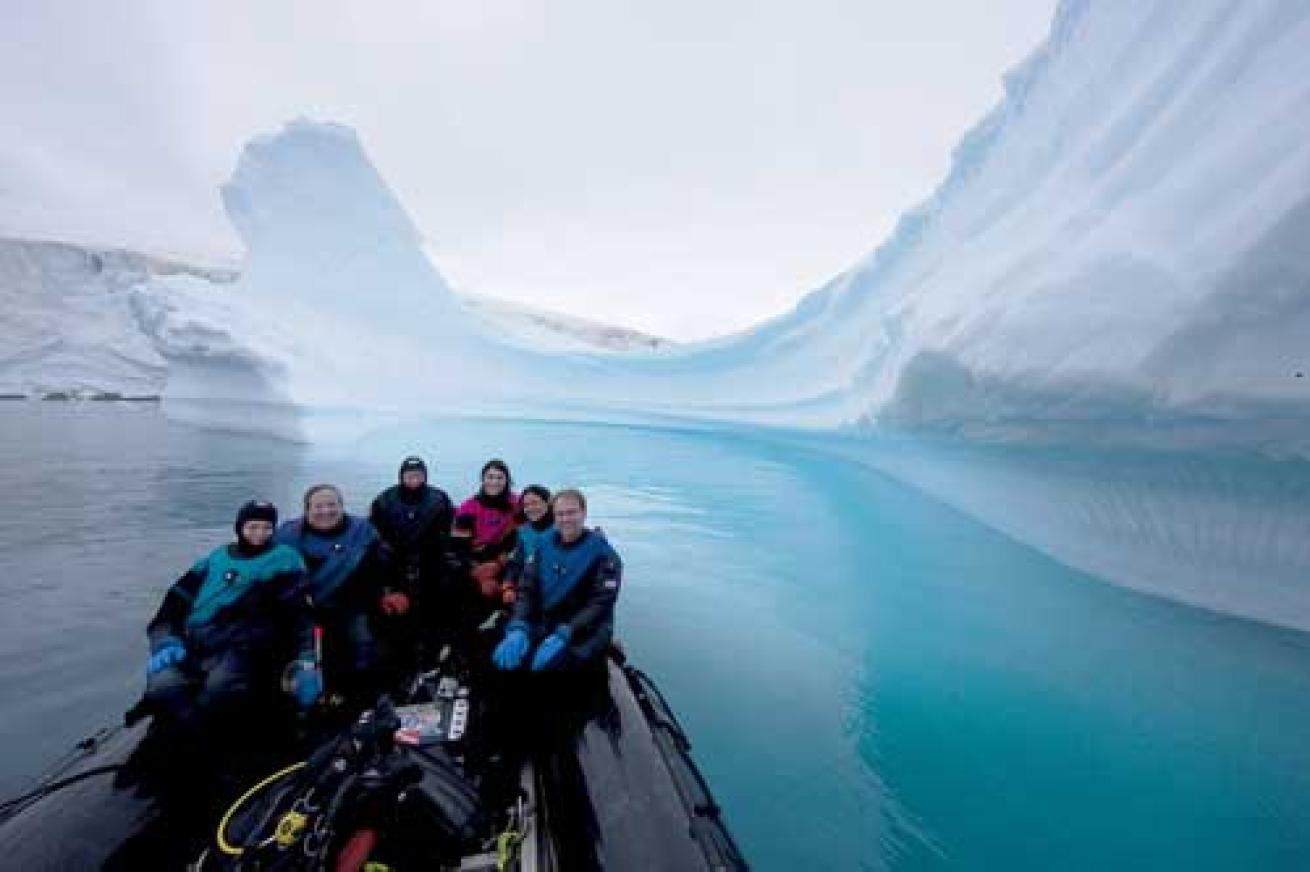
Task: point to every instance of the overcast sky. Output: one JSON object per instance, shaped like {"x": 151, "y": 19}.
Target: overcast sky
{"x": 687, "y": 168}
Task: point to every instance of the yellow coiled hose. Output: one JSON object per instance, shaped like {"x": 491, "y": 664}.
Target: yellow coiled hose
{"x": 221, "y": 838}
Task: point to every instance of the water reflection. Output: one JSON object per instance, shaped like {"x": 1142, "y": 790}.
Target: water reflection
{"x": 871, "y": 679}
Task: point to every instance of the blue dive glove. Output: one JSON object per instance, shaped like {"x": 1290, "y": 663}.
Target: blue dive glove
{"x": 167, "y": 652}
{"x": 308, "y": 684}
{"x": 511, "y": 650}
{"x": 552, "y": 648}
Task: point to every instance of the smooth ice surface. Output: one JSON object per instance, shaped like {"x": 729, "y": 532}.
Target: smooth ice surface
{"x": 870, "y": 679}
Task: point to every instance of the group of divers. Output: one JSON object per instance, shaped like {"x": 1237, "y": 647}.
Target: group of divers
{"x": 333, "y": 608}
{"x": 315, "y": 639}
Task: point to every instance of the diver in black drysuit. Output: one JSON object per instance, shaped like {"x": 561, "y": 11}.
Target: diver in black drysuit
{"x": 414, "y": 520}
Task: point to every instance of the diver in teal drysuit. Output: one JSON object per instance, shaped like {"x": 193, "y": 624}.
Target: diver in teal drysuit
{"x": 229, "y": 626}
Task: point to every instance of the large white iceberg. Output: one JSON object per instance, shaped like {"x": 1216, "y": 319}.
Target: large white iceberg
{"x": 1118, "y": 253}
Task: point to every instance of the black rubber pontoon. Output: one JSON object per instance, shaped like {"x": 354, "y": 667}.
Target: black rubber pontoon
{"x": 627, "y": 796}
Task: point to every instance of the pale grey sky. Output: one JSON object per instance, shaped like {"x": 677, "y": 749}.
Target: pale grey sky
{"x": 687, "y": 168}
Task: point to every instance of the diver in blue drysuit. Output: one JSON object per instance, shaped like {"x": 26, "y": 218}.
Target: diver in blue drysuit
{"x": 349, "y": 572}
{"x": 227, "y": 628}
{"x": 552, "y": 675}
{"x": 564, "y": 613}
{"x": 536, "y": 522}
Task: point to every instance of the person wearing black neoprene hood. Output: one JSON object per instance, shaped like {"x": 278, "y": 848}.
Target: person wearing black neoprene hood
{"x": 414, "y": 519}
{"x": 227, "y": 628}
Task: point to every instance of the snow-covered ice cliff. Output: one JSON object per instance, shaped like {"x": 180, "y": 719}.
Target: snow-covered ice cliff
{"x": 67, "y": 325}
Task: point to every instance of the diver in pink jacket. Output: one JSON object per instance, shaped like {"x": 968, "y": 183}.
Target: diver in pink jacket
{"x": 486, "y": 522}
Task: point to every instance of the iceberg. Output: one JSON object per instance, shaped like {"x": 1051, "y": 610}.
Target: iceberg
{"x": 340, "y": 315}
{"x": 1116, "y": 261}
{"x": 1116, "y": 255}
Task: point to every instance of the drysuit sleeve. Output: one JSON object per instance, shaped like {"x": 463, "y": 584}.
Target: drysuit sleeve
{"x": 443, "y": 552}
{"x": 527, "y": 607}
{"x": 515, "y": 563}
{"x": 378, "y": 517}
{"x": 595, "y": 619}
{"x": 375, "y": 575}
{"x": 507, "y": 544}
{"x": 443, "y": 516}
{"x": 464, "y": 523}
{"x": 384, "y": 563}
{"x": 292, "y": 586}
{"x": 170, "y": 619}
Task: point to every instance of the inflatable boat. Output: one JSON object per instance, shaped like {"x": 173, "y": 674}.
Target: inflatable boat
{"x": 413, "y": 783}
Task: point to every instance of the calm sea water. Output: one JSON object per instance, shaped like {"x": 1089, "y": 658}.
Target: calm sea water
{"x": 870, "y": 679}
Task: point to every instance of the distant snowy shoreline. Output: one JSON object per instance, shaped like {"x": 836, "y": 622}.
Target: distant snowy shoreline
{"x": 69, "y": 329}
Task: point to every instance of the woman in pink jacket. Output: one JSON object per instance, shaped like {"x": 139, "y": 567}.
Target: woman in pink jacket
{"x": 486, "y": 522}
